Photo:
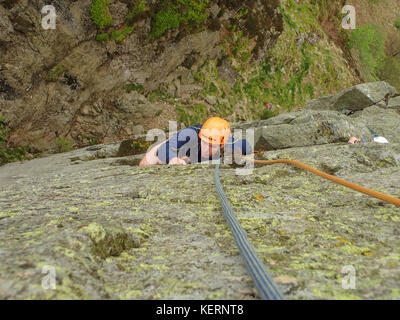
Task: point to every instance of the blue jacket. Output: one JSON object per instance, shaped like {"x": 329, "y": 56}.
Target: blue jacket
{"x": 186, "y": 142}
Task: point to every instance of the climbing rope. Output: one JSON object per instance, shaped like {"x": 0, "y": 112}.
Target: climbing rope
{"x": 261, "y": 277}
{"x": 356, "y": 187}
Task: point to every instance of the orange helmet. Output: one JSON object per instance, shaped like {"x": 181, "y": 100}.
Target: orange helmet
{"x": 215, "y": 131}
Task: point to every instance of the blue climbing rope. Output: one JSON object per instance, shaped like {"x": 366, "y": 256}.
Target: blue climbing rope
{"x": 261, "y": 277}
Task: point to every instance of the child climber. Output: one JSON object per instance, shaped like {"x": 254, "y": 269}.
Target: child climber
{"x": 196, "y": 144}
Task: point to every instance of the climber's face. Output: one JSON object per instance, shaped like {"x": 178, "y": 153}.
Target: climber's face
{"x": 209, "y": 150}
{"x": 353, "y": 140}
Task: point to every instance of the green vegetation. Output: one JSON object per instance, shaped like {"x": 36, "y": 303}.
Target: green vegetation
{"x": 176, "y": 13}
{"x": 273, "y": 81}
{"x": 63, "y": 145}
{"x": 119, "y": 35}
{"x": 134, "y": 87}
{"x": 101, "y": 17}
{"x": 192, "y": 115}
{"x": 397, "y": 23}
{"x": 288, "y": 21}
{"x": 301, "y": 66}
{"x": 138, "y": 7}
{"x": 390, "y": 72}
{"x": 164, "y": 20}
{"x": 156, "y": 95}
{"x": 266, "y": 114}
{"x": 55, "y": 73}
{"x": 99, "y": 13}
{"x": 210, "y": 88}
{"x": 236, "y": 46}
{"x": 8, "y": 154}
{"x": 3, "y": 132}
{"x": 277, "y": 87}
{"x": 103, "y": 37}
{"x": 140, "y": 145}
{"x": 116, "y": 35}
{"x": 93, "y": 141}
{"x": 369, "y": 41}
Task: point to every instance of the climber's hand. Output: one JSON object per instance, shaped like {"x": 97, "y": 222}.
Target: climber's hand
{"x": 177, "y": 161}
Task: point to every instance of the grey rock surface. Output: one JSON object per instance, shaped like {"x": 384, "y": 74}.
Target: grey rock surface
{"x": 114, "y": 230}
{"x": 317, "y": 127}
{"x": 394, "y": 103}
{"x": 355, "y": 98}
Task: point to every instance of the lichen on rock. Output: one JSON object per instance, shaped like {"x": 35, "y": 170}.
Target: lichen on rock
{"x": 107, "y": 241}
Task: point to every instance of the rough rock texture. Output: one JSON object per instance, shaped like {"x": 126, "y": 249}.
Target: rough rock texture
{"x": 394, "y": 103}
{"x": 304, "y": 128}
{"x": 113, "y": 230}
{"x": 324, "y": 120}
{"x": 316, "y": 127}
{"x": 354, "y": 98}
{"x": 64, "y": 82}
{"x": 384, "y": 121}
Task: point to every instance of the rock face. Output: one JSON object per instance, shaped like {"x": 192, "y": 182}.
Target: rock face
{"x": 64, "y": 82}
{"x": 304, "y": 128}
{"x": 354, "y": 98}
{"x": 394, "y": 103}
{"x": 324, "y": 120}
{"x": 114, "y": 230}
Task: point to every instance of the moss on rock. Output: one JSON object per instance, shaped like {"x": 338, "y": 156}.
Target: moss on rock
{"x": 99, "y": 13}
{"x": 110, "y": 240}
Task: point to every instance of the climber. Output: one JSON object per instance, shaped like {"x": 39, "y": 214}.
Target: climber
{"x": 376, "y": 138}
{"x": 196, "y": 144}
{"x": 354, "y": 140}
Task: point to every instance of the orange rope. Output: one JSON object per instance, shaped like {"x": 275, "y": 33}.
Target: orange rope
{"x": 356, "y": 187}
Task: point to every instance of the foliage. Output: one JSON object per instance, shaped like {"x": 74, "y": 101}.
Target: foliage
{"x": 63, "y": 145}
{"x": 103, "y": 37}
{"x": 278, "y": 88}
{"x": 3, "y": 132}
{"x": 192, "y": 115}
{"x": 390, "y": 72}
{"x": 99, "y": 13}
{"x": 8, "y": 154}
{"x": 156, "y": 95}
{"x": 266, "y": 114}
{"x": 119, "y": 35}
{"x": 176, "y": 13}
{"x": 55, "y": 73}
{"x": 369, "y": 41}
{"x": 397, "y": 23}
{"x": 134, "y": 87}
{"x": 140, "y": 145}
{"x": 164, "y": 20}
{"x": 236, "y": 45}
{"x": 138, "y": 7}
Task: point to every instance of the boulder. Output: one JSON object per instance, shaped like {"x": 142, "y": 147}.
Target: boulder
{"x": 394, "y": 103}
{"x": 304, "y": 128}
{"x": 211, "y": 100}
{"x": 355, "y": 98}
{"x": 384, "y": 121}
{"x": 134, "y": 146}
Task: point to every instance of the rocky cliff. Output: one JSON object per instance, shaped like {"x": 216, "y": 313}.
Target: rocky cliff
{"x": 111, "y": 229}
{"x": 113, "y": 69}
{"x": 64, "y": 82}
